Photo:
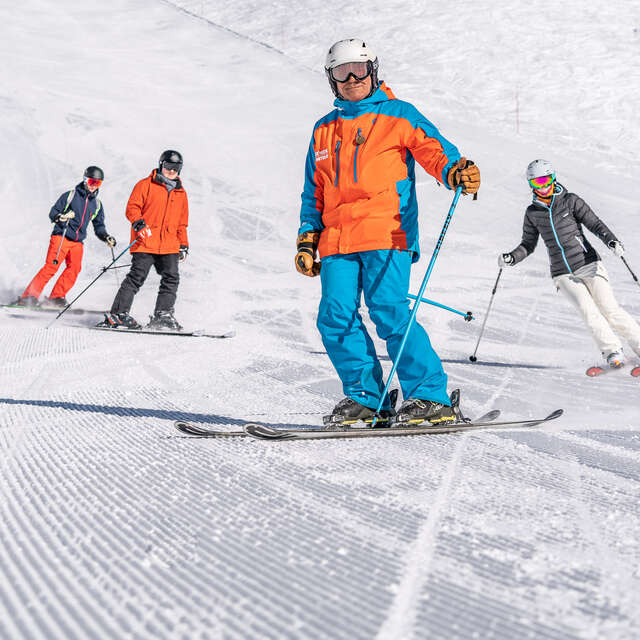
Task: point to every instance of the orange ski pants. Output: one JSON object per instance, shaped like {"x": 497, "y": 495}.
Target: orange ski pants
{"x": 71, "y": 254}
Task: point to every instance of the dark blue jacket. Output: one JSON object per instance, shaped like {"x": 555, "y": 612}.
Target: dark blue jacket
{"x": 84, "y": 205}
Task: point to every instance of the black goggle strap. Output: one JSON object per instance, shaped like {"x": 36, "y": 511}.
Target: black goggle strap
{"x": 367, "y": 74}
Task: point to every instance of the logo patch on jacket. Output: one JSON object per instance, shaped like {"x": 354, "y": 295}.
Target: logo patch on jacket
{"x": 323, "y": 154}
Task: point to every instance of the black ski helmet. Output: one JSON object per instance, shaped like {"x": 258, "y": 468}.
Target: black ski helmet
{"x": 94, "y": 172}
{"x": 174, "y": 157}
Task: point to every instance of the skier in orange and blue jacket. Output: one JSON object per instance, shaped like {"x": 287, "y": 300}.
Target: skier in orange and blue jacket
{"x": 359, "y": 211}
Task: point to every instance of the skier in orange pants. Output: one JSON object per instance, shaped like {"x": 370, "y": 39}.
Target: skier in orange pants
{"x": 71, "y": 215}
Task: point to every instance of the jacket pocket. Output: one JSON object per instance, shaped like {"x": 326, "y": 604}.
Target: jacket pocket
{"x": 337, "y": 162}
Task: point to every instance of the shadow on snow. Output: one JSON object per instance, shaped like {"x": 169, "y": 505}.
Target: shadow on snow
{"x": 161, "y": 414}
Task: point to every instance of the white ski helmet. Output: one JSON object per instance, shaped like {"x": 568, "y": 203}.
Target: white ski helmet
{"x": 540, "y": 168}
{"x": 351, "y": 50}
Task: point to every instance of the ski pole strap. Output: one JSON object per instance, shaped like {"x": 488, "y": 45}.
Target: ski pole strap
{"x": 467, "y": 316}
{"x": 414, "y": 310}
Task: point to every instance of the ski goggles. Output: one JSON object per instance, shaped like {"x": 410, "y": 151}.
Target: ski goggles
{"x": 359, "y": 70}
{"x": 542, "y": 182}
{"x": 172, "y": 166}
{"x": 94, "y": 182}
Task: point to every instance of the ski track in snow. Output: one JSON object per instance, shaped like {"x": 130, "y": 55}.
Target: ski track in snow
{"x": 115, "y": 525}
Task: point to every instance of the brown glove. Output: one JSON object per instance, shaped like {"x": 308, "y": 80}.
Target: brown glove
{"x": 465, "y": 172}
{"x": 306, "y": 257}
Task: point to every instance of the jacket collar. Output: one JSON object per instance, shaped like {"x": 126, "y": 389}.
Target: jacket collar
{"x": 158, "y": 179}
{"x": 349, "y": 108}
{"x": 84, "y": 192}
{"x": 558, "y": 191}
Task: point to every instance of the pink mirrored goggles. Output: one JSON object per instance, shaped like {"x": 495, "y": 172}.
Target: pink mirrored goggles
{"x": 542, "y": 182}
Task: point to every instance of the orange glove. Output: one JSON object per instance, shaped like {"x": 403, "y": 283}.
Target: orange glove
{"x": 464, "y": 173}
{"x": 306, "y": 257}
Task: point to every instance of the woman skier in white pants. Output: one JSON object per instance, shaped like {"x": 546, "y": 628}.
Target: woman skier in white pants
{"x": 558, "y": 215}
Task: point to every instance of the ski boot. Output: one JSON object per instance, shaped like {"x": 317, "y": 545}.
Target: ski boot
{"x": 163, "y": 320}
{"x": 119, "y": 321}
{"x": 615, "y": 360}
{"x": 57, "y": 302}
{"x": 30, "y": 302}
{"x": 414, "y": 412}
{"x": 348, "y": 412}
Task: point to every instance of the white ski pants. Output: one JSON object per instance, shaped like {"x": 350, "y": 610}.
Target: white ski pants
{"x": 589, "y": 291}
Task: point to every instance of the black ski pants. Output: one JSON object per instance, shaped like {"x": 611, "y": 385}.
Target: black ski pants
{"x": 167, "y": 268}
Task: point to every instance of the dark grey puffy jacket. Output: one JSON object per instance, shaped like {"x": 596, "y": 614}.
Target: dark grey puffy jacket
{"x": 561, "y": 229}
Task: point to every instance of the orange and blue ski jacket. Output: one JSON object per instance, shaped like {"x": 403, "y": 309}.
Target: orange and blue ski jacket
{"x": 359, "y": 186}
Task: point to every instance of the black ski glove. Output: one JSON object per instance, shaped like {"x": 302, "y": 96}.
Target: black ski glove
{"x": 110, "y": 240}
{"x": 184, "y": 252}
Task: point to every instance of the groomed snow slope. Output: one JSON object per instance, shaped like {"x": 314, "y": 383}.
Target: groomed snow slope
{"x": 114, "y": 525}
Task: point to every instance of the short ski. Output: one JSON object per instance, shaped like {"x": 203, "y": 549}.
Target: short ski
{"x": 199, "y": 333}
{"x": 204, "y": 432}
{"x": 594, "y": 372}
{"x": 267, "y": 433}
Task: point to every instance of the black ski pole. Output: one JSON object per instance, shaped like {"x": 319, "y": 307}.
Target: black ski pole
{"x": 115, "y": 272}
{"x": 633, "y": 275}
{"x": 486, "y": 315}
{"x": 104, "y": 270}
{"x": 64, "y": 230}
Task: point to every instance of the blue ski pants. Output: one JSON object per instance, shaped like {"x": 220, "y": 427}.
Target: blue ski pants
{"x": 383, "y": 277}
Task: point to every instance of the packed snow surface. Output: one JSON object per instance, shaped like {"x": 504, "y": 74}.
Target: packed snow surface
{"x": 115, "y": 525}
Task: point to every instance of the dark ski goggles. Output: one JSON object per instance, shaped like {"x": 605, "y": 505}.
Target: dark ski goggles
{"x": 172, "y": 166}
{"x": 359, "y": 70}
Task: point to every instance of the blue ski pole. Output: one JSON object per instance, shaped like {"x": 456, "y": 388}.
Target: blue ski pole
{"x": 104, "y": 270}
{"x": 414, "y": 310}
{"x": 468, "y": 316}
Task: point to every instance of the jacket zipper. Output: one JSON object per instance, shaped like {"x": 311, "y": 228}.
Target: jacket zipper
{"x": 355, "y": 158}
{"x": 337, "y": 162}
{"x": 164, "y": 215}
{"x": 555, "y": 235}
{"x": 86, "y": 202}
